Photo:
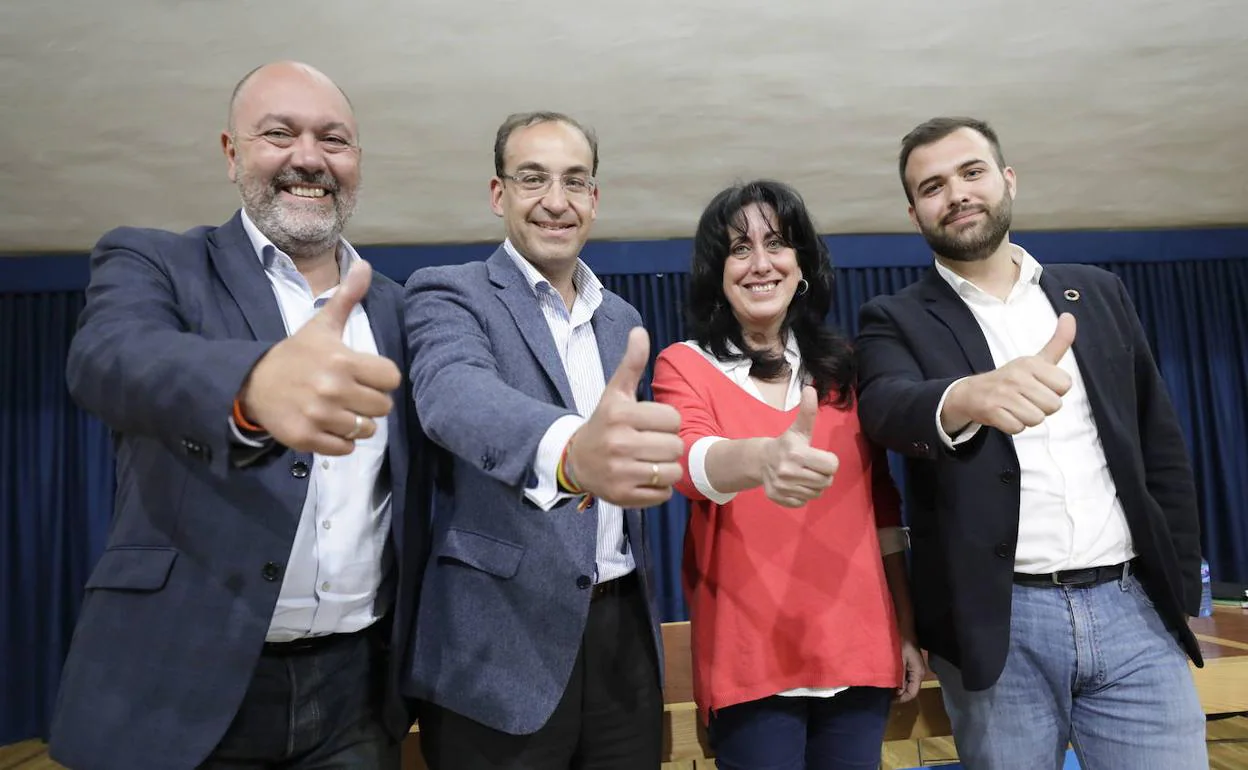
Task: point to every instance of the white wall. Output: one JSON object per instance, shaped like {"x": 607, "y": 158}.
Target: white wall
{"x": 1114, "y": 113}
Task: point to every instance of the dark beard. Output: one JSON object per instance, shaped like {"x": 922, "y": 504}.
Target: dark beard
{"x": 977, "y": 244}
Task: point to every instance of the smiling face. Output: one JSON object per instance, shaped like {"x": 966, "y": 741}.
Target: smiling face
{"x": 963, "y": 201}
{"x": 293, "y": 151}
{"x": 549, "y": 227}
{"x": 761, "y": 273}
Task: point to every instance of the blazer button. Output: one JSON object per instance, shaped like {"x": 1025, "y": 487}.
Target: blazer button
{"x": 271, "y": 571}
{"x": 1007, "y": 476}
{"x": 584, "y": 581}
{"x": 1002, "y": 550}
{"x": 299, "y": 470}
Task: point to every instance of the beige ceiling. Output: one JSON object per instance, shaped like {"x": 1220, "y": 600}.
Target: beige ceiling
{"x": 1114, "y": 113}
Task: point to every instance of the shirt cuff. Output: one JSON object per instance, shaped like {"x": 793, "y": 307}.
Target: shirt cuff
{"x": 545, "y": 492}
{"x": 964, "y": 435}
{"x": 893, "y": 539}
{"x": 697, "y": 471}
{"x": 257, "y": 440}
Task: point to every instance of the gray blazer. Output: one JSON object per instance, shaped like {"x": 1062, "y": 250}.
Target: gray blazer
{"x": 505, "y": 596}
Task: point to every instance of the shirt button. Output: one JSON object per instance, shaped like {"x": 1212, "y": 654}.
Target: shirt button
{"x": 326, "y": 524}
{"x": 325, "y": 464}
{"x": 299, "y": 469}
{"x": 325, "y": 586}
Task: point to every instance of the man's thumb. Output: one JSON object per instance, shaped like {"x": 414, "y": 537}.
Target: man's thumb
{"x": 804, "y": 423}
{"x": 354, "y": 286}
{"x": 1061, "y": 341}
{"x": 627, "y": 376}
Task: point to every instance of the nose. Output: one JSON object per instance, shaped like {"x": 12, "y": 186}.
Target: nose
{"x": 760, "y": 260}
{"x": 306, "y": 153}
{"x": 555, "y": 200}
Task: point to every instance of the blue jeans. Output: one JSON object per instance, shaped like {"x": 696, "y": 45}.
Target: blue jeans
{"x": 844, "y": 732}
{"x": 318, "y": 710}
{"x": 1095, "y": 667}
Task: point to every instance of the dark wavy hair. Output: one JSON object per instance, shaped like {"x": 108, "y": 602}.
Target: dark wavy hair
{"x": 826, "y": 353}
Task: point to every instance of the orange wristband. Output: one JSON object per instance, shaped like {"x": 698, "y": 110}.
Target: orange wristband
{"x": 242, "y": 422}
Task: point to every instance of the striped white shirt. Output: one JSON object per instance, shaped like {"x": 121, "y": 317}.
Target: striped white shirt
{"x": 573, "y": 335}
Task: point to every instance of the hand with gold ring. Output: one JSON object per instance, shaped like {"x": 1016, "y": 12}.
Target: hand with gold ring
{"x": 355, "y": 431}
{"x": 628, "y": 452}
{"x": 304, "y": 389}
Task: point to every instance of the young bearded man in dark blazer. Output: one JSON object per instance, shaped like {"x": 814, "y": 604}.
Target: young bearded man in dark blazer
{"x": 1053, "y": 513}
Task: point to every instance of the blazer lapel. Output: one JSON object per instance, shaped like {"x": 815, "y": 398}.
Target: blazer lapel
{"x": 1071, "y": 296}
{"x": 517, "y": 297}
{"x": 945, "y": 304}
{"x": 241, "y": 271}
{"x": 612, "y": 338}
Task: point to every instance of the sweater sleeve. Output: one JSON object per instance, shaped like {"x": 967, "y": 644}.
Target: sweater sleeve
{"x": 884, "y": 494}
{"x": 672, "y": 386}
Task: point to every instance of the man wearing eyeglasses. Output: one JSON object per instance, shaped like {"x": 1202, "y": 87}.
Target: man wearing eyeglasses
{"x": 537, "y": 645}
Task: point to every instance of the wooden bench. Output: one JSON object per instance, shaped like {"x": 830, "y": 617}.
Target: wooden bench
{"x": 1222, "y": 685}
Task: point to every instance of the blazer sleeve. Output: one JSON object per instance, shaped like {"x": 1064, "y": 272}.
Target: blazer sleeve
{"x": 137, "y": 361}
{"x": 464, "y": 403}
{"x": 896, "y": 403}
{"x": 671, "y": 385}
{"x": 1167, "y": 469}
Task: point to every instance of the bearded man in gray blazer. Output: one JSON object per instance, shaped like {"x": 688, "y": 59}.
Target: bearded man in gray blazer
{"x": 538, "y": 644}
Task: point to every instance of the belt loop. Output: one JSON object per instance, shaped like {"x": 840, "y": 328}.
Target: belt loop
{"x": 1126, "y": 570}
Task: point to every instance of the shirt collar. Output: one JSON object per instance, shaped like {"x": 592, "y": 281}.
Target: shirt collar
{"x": 792, "y": 356}
{"x": 588, "y": 287}
{"x": 1029, "y": 271}
{"x": 271, "y": 256}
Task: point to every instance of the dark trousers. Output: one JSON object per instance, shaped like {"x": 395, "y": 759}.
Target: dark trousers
{"x": 609, "y": 718}
{"x": 844, "y": 732}
{"x": 312, "y": 709}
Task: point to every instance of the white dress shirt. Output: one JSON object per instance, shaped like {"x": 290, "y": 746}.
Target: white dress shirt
{"x": 573, "y": 335}
{"x": 1069, "y": 514}
{"x": 339, "y": 558}
{"x": 892, "y": 539}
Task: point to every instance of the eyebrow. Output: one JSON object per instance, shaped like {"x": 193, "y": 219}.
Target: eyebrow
{"x": 533, "y": 165}
{"x": 333, "y": 125}
{"x": 963, "y": 167}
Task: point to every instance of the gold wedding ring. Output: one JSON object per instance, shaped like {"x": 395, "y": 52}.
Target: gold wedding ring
{"x": 654, "y": 474}
{"x": 359, "y": 427}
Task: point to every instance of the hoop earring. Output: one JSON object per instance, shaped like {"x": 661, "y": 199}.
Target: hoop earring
{"x": 803, "y": 286}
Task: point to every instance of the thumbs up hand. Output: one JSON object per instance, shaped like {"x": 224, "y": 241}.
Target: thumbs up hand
{"x": 628, "y": 453}
{"x": 311, "y": 392}
{"x": 1017, "y": 395}
{"x": 794, "y": 472}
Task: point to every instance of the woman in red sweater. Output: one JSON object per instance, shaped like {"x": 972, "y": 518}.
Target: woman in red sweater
{"x": 802, "y": 633}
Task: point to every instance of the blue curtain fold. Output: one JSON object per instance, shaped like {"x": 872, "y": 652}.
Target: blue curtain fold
{"x": 56, "y": 463}
{"x": 56, "y": 500}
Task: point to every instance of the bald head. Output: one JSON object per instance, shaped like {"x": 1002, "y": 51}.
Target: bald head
{"x": 292, "y": 148}
{"x": 281, "y": 74}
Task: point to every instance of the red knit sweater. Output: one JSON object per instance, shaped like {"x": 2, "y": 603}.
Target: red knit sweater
{"x": 782, "y": 598}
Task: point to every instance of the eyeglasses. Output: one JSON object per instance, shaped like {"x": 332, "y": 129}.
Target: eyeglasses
{"x": 534, "y": 183}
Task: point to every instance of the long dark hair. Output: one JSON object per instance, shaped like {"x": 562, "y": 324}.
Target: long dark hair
{"x": 826, "y": 353}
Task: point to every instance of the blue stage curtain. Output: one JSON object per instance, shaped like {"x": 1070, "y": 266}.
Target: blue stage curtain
{"x": 56, "y": 499}
{"x": 56, "y": 464}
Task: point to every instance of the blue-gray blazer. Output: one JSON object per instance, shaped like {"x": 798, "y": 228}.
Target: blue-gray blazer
{"x": 505, "y": 596}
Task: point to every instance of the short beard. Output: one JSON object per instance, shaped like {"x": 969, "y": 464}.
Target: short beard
{"x": 977, "y": 244}
{"x": 298, "y": 234}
